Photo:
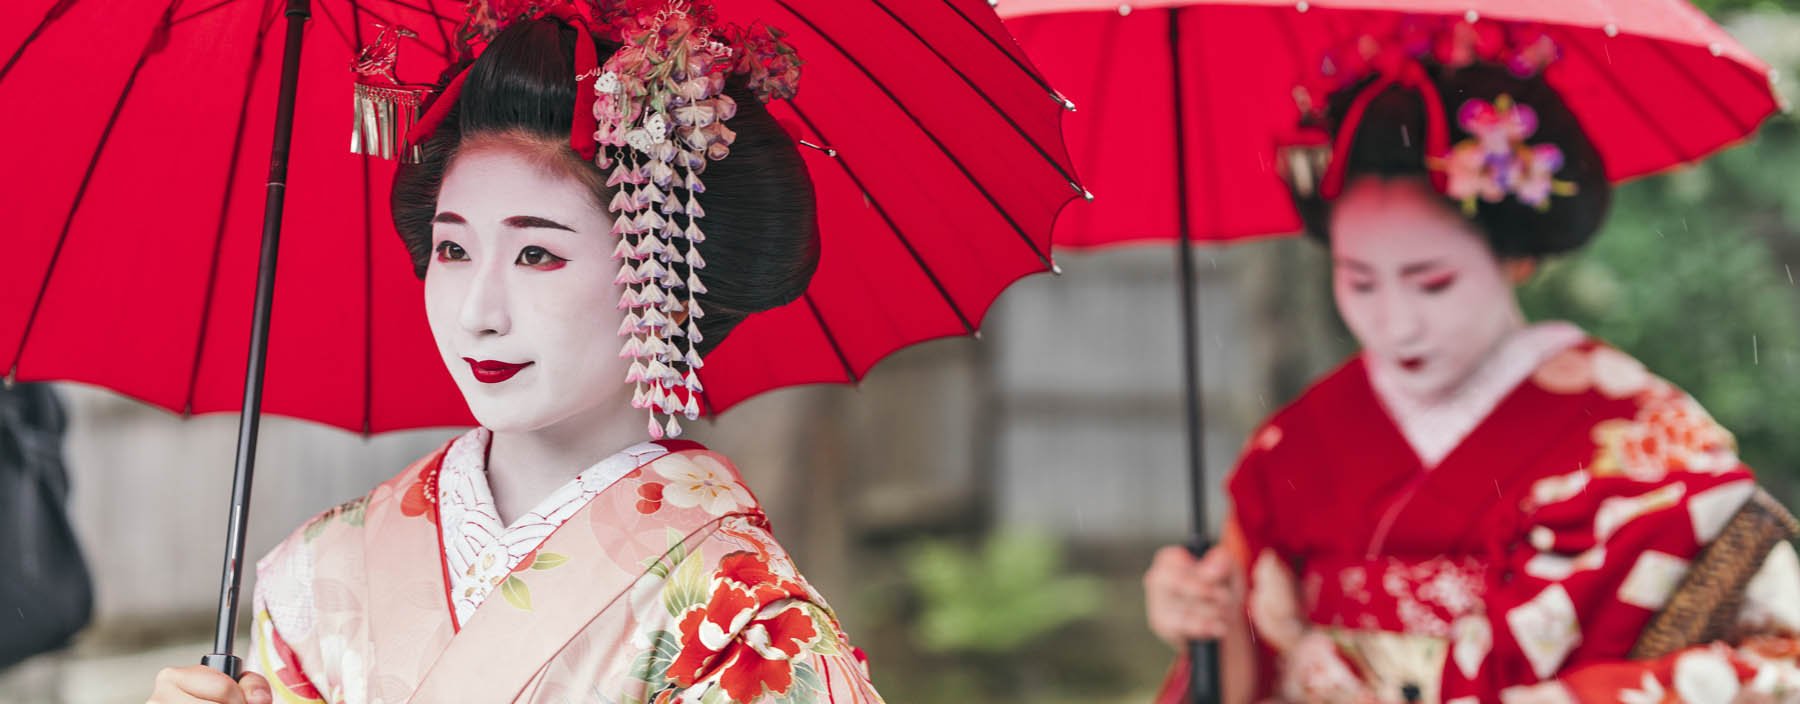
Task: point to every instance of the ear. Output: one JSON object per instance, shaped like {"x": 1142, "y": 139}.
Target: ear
{"x": 1519, "y": 269}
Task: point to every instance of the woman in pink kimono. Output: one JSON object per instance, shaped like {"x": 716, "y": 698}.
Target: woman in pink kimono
{"x": 552, "y": 555}
{"x": 1474, "y": 508}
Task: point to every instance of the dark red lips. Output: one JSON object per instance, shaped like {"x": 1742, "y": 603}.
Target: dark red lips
{"x": 488, "y": 371}
{"x": 1412, "y": 364}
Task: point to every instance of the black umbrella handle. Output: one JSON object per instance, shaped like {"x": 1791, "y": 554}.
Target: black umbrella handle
{"x": 1203, "y": 655}
{"x": 222, "y": 659}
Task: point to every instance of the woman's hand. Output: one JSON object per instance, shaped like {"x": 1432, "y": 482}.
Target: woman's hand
{"x": 199, "y": 683}
{"x": 1193, "y": 599}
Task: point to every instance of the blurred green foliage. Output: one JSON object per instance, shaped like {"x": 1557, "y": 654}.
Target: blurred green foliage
{"x": 1722, "y": 8}
{"x": 1693, "y": 275}
{"x": 995, "y": 599}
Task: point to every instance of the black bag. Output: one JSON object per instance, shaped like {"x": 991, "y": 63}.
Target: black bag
{"x": 46, "y": 595}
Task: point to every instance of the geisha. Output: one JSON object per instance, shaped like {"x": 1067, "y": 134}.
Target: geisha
{"x": 1473, "y": 508}
{"x": 551, "y": 555}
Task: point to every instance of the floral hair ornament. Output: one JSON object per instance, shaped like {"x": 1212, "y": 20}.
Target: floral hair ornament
{"x": 1494, "y": 163}
{"x": 654, "y": 115}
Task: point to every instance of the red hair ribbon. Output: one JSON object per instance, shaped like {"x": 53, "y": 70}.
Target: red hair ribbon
{"x": 1394, "y": 69}
{"x": 587, "y": 64}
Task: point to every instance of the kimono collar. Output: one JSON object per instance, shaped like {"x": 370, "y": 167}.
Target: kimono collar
{"x": 1434, "y": 429}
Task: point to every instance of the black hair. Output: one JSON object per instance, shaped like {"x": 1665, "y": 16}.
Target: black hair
{"x": 1389, "y": 144}
{"x": 761, "y": 222}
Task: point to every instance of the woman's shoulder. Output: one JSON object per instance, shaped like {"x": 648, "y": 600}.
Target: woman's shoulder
{"x": 414, "y": 487}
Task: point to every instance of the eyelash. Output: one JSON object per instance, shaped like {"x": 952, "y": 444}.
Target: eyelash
{"x": 552, "y": 262}
{"x": 448, "y": 251}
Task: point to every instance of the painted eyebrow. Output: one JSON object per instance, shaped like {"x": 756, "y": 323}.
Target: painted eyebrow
{"x": 523, "y": 222}
{"x": 517, "y": 222}
{"x": 1352, "y": 263}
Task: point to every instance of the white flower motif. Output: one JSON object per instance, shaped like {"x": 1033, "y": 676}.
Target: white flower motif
{"x": 658, "y": 127}
{"x": 1650, "y": 691}
{"x": 639, "y": 139}
{"x": 702, "y": 483}
{"x": 607, "y": 82}
{"x": 1617, "y": 375}
{"x": 1705, "y": 677}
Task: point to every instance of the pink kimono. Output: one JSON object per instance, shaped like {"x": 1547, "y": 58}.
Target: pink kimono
{"x": 647, "y": 582}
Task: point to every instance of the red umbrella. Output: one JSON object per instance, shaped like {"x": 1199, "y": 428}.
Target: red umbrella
{"x": 135, "y": 130}
{"x": 133, "y": 190}
{"x": 1184, "y": 106}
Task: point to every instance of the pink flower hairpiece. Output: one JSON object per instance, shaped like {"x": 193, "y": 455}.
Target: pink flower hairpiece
{"x": 1495, "y": 161}
{"x": 661, "y": 110}
{"x": 655, "y": 118}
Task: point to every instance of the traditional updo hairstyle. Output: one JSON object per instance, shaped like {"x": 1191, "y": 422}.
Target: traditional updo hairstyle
{"x": 1389, "y": 144}
{"x": 762, "y": 242}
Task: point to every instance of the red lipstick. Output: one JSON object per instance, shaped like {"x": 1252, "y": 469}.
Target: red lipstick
{"x": 1412, "y": 364}
{"x": 488, "y": 371}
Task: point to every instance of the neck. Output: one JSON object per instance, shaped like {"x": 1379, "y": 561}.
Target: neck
{"x": 524, "y": 466}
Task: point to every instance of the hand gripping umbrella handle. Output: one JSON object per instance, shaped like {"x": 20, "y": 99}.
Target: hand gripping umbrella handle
{"x": 222, "y": 659}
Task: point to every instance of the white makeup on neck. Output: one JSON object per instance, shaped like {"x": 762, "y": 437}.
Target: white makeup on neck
{"x": 1418, "y": 286}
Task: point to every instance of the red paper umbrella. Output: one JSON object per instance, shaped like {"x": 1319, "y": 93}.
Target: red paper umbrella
{"x": 1184, "y": 106}
{"x": 1657, "y": 83}
{"x": 134, "y": 141}
{"x": 134, "y": 185}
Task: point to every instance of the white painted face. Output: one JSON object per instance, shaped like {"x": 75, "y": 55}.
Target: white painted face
{"x": 1417, "y": 284}
{"x": 519, "y": 293}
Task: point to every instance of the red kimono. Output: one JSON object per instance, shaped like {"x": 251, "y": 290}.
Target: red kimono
{"x": 1539, "y": 546}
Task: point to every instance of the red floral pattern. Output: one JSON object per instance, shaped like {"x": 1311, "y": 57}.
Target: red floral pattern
{"x": 650, "y": 497}
{"x": 745, "y": 633}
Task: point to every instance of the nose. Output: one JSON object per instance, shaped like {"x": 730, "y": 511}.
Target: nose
{"x": 1402, "y": 322}
{"x": 484, "y": 308}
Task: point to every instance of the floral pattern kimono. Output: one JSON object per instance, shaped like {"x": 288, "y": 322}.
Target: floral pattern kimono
{"x": 650, "y": 578}
{"x": 1508, "y": 548}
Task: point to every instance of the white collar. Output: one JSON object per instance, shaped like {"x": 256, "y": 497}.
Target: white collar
{"x": 1435, "y": 429}
{"x": 479, "y": 552}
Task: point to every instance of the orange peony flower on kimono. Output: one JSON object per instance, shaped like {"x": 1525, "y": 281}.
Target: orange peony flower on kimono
{"x": 421, "y": 497}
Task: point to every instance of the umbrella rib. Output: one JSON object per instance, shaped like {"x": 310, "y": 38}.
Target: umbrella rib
{"x": 231, "y": 167}
{"x": 155, "y": 40}
{"x": 439, "y": 26}
{"x": 202, "y": 11}
{"x": 1016, "y": 61}
{"x": 849, "y": 371}
{"x": 984, "y": 95}
{"x": 1631, "y": 100}
{"x": 51, "y": 15}
{"x": 1711, "y": 97}
{"x": 416, "y": 8}
{"x": 1020, "y": 231}
{"x": 844, "y": 163}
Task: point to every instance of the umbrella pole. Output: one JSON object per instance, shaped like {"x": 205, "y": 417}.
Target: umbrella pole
{"x": 1203, "y": 656}
{"x": 221, "y": 659}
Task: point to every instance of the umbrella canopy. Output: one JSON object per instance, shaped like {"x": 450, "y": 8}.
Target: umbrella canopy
{"x": 1656, "y": 83}
{"x": 136, "y": 142}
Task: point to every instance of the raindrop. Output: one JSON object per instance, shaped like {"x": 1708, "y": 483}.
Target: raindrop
{"x": 1612, "y": 30}
{"x": 1124, "y": 10}
{"x": 1303, "y": 6}
{"x": 1755, "y": 351}
{"x": 1472, "y": 16}
{"x": 1790, "y": 273}
{"x": 993, "y": 3}
{"x": 1716, "y": 48}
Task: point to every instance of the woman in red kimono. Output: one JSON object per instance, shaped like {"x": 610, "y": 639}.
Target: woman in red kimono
{"x": 571, "y": 172}
{"x": 1472, "y": 508}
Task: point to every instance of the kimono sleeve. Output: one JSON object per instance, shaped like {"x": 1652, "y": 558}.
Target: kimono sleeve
{"x": 760, "y": 634}
{"x": 274, "y": 660}
{"x": 1595, "y": 553}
